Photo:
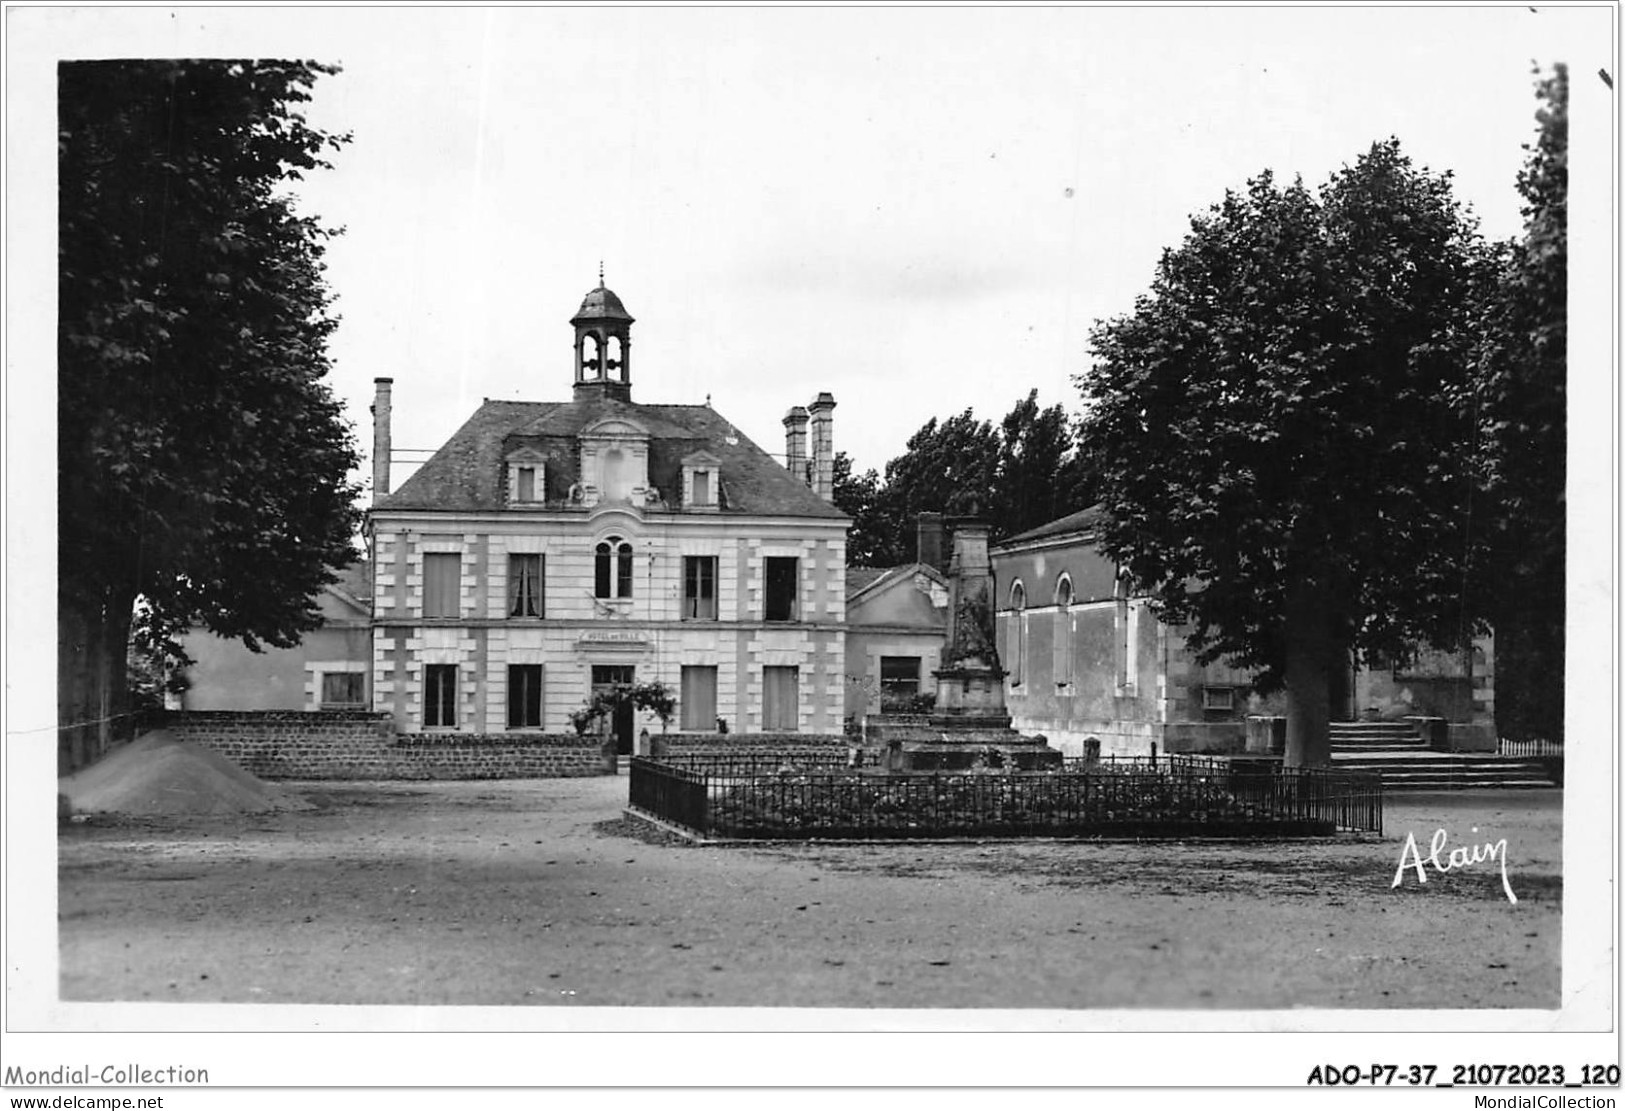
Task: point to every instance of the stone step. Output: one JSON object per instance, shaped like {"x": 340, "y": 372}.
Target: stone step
{"x": 1436, "y": 772}
{"x": 1395, "y": 786}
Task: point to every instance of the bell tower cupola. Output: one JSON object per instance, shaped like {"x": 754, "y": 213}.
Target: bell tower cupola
{"x": 603, "y": 346}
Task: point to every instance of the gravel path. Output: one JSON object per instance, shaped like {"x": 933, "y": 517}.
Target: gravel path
{"x": 536, "y": 892}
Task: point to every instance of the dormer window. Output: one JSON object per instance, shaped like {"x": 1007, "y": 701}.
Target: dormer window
{"x": 615, "y": 463}
{"x": 700, "y": 485}
{"x": 527, "y": 477}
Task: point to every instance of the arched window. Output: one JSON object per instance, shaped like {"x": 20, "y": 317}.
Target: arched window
{"x": 592, "y": 357}
{"x": 1126, "y": 626}
{"x": 1062, "y": 652}
{"x": 1018, "y": 633}
{"x": 613, "y": 569}
{"x": 614, "y": 360}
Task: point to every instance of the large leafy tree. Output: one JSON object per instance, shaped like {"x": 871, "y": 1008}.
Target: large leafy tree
{"x": 1035, "y": 481}
{"x": 948, "y": 467}
{"x": 858, "y": 496}
{"x": 1521, "y": 405}
{"x": 1281, "y": 462}
{"x": 1017, "y": 475}
{"x": 203, "y": 461}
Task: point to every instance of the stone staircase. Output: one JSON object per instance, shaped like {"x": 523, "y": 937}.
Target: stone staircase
{"x": 1395, "y": 751}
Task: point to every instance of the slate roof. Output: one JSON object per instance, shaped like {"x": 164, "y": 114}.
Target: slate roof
{"x": 860, "y": 580}
{"x": 355, "y": 584}
{"x": 467, "y": 473}
{"x": 601, "y": 304}
{"x": 1081, "y": 521}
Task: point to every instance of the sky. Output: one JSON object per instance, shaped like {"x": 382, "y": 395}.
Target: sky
{"x": 919, "y": 210}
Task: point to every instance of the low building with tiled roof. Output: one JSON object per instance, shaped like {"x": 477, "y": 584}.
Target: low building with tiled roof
{"x": 897, "y": 621}
{"x": 550, "y": 549}
{"x": 327, "y": 669}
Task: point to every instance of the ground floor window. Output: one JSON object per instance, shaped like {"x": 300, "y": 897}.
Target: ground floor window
{"x": 899, "y": 682}
{"x": 440, "y": 696}
{"x": 524, "y": 696}
{"x": 699, "y": 699}
{"x": 781, "y": 699}
{"x": 343, "y": 690}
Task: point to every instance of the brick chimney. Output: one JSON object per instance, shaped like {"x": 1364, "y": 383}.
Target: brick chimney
{"x": 928, "y": 540}
{"x": 795, "y": 443}
{"x": 822, "y": 411}
{"x": 380, "y": 438}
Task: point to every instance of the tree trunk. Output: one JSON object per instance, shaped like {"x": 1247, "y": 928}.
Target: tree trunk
{"x": 74, "y": 702}
{"x": 117, "y": 722}
{"x": 93, "y": 699}
{"x": 1310, "y": 659}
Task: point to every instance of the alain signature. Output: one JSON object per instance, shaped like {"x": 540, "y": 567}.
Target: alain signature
{"x": 1460, "y": 857}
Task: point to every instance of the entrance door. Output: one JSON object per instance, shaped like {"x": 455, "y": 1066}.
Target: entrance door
{"x": 606, "y": 677}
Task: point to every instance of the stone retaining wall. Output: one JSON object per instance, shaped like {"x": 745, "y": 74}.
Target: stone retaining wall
{"x": 745, "y": 742}
{"x": 355, "y": 744}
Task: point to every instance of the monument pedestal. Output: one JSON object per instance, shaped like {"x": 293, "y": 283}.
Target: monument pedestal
{"x": 969, "y": 727}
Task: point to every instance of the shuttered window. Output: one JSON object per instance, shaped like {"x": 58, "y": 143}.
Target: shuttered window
{"x": 1063, "y": 633}
{"x": 781, "y": 697}
{"x": 442, "y": 584}
{"x": 1017, "y": 649}
{"x": 699, "y": 699}
{"x": 343, "y": 689}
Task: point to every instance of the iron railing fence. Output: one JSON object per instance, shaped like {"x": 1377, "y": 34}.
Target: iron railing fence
{"x": 731, "y": 800}
{"x": 766, "y": 761}
{"x": 1169, "y": 763}
{"x": 673, "y": 793}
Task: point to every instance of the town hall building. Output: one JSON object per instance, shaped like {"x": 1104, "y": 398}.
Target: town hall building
{"x": 551, "y": 549}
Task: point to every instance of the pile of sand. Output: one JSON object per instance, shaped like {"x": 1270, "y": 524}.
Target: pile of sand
{"x": 157, "y": 774}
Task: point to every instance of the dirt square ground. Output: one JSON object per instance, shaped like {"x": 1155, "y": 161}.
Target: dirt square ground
{"x": 540, "y": 893}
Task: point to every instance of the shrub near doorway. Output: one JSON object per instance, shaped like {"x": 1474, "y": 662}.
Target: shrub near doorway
{"x": 656, "y": 698}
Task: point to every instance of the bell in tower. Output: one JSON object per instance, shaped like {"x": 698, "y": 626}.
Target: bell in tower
{"x": 603, "y": 346}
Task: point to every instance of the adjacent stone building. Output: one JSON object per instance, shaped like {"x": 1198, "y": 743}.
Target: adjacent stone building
{"x": 1089, "y": 666}
{"x": 549, "y": 549}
